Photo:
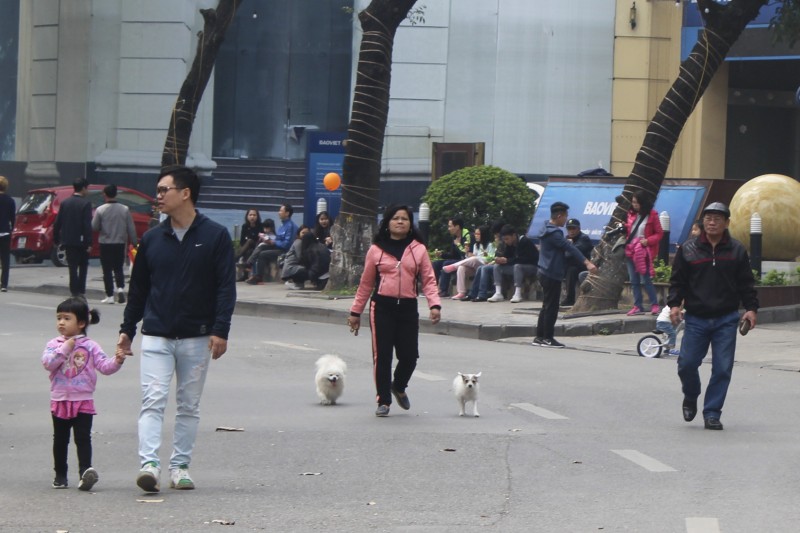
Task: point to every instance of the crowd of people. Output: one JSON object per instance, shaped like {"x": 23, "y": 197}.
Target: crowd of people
{"x": 183, "y": 329}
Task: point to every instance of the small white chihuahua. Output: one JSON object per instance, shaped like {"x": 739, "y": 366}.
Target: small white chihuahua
{"x": 466, "y": 388}
{"x": 330, "y": 378}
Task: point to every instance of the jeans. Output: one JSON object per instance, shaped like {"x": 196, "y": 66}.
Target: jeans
{"x": 162, "y": 358}
{"x": 571, "y": 280}
{"x": 720, "y": 333}
{"x": 78, "y": 265}
{"x": 443, "y": 279}
{"x": 637, "y": 280}
{"x": 667, "y": 327}
{"x": 483, "y": 278}
{"x": 112, "y": 259}
{"x": 518, "y": 271}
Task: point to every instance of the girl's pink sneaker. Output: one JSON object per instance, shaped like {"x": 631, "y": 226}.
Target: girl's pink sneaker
{"x": 459, "y": 296}
{"x": 635, "y": 311}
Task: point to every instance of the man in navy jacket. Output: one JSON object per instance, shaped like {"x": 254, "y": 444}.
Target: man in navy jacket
{"x": 73, "y": 230}
{"x": 183, "y": 290}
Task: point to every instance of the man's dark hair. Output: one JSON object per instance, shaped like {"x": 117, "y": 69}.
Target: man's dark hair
{"x": 458, "y": 221}
{"x": 558, "y": 207}
{"x": 497, "y": 226}
{"x": 184, "y": 178}
{"x": 289, "y": 209}
{"x": 80, "y": 184}
{"x": 508, "y": 229}
{"x": 110, "y": 190}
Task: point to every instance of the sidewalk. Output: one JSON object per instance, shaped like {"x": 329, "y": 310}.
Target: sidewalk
{"x": 485, "y": 321}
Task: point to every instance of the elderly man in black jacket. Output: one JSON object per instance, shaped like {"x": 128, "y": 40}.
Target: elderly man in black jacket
{"x": 711, "y": 276}
{"x": 73, "y": 230}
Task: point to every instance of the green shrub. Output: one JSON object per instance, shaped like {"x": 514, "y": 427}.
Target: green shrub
{"x": 774, "y": 278}
{"x": 481, "y": 196}
{"x": 663, "y": 271}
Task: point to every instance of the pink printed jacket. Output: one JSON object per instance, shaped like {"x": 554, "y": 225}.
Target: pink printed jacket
{"x": 397, "y": 278}
{"x": 73, "y": 376}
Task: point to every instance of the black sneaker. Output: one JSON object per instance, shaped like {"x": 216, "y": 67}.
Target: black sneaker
{"x": 88, "y": 479}
{"x": 60, "y": 482}
{"x": 538, "y": 341}
{"x": 552, "y": 343}
{"x": 382, "y": 410}
{"x": 689, "y": 409}
{"x": 403, "y": 400}
{"x": 121, "y": 296}
{"x": 713, "y": 423}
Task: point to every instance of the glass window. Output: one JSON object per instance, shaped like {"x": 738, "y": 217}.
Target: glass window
{"x": 35, "y": 203}
{"x": 9, "y": 43}
{"x": 283, "y": 69}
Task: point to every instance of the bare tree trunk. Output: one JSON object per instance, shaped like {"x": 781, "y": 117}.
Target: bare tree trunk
{"x": 357, "y": 220}
{"x": 724, "y": 24}
{"x": 216, "y": 23}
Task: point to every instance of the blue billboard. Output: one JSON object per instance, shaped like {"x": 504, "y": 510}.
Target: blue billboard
{"x": 325, "y": 154}
{"x": 593, "y": 203}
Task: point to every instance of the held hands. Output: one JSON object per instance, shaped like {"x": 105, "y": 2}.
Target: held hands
{"x": 435, "y": 316}
{"x": 354, "y": 322}
{"x": 591, "y": 267}
{"x": 123, "y": 347}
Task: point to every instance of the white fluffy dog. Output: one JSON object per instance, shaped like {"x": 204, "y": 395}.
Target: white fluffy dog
{"x": 330, "y": 378}
{"x": 466, "y": 388}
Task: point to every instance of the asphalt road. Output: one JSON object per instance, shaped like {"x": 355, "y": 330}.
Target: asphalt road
{"x": 568, "y": 440}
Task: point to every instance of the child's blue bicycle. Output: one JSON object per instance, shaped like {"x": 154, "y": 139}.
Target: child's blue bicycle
{"x": 653, "y": 345}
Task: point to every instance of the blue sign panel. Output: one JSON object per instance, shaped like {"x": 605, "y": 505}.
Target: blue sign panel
{"x": 325, "y": 154}
{"x": 593, "y": 203}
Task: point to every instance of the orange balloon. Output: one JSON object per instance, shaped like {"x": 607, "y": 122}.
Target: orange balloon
{"x": 331, "y": 181}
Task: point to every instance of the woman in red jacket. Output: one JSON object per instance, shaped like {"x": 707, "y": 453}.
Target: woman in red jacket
{"x": 644, "y": 233}
{"x": 394, "y": 262}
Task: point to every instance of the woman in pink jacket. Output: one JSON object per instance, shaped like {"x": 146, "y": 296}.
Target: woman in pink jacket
{"x": 394, "y": 263}
{"x": 644, "y": 233}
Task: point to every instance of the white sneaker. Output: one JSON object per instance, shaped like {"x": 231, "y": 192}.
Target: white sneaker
{"x": 148, "y": 478}
{"x": 289, "y": 283}
{"x": 517, "y": 298}
{"x": 179, "y": 478}
{"x": 296, "y": 286}
{"x": 497, "y": 297}
{"x": 107, "y": 300}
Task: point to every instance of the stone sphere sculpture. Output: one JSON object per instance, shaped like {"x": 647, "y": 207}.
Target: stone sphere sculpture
{"x": 776, "y": 198}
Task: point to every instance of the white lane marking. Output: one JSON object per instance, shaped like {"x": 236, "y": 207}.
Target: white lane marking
{"x": 645, "y": 461}
{"x": 33, "y": 306}
{"x": 539, "y": 411}
{"x": 702, "y": 525}
{"x": 291, "y": 346}
{"x": 428, "y": 377}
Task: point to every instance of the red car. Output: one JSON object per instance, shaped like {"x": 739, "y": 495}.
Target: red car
{"x": 32, "y": 239}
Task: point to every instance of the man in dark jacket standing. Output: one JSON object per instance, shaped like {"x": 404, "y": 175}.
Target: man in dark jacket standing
{"x": 183, "y": 289}
{"x": 575, "y": 264}
{"x": 711, "y": 276}
{"x": 73, "y": 230}
{"x": 552, "y": 245}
